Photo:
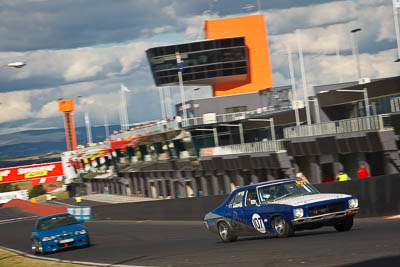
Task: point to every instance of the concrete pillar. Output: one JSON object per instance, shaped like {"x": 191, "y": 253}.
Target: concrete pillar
{"x": 135, "y": 184}
{"x": 227, "y": 184}
{"x": 142, "y": 185}
{"x": 362, "y": 160}
{"x": 254, "y": 178}
{"x": 315, "y": 170}
{"x": 269, "y": 174}
{"x": 172, "y": 186}
{"x": 130, "y": 184}
{"x": 204, "y": 187}
{"x": 164, "y": 187}
{"x": 239, "y": 179}
{"x": 194, "y": 186}
{"x": 214, "y": 184}
{"x": 391, "y": 162}
{"x": 337, "y": 165}
{"x": 181, "y": 184}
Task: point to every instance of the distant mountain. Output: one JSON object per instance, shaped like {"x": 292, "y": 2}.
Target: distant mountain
{"x": 44, "y": 142}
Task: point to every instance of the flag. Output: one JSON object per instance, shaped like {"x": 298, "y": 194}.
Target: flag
{"x": 123, "y": 88}
{"x": 179, "y": 62}
{"x": 396, "y": 3}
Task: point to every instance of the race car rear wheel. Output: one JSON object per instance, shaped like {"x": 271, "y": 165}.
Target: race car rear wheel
{"x": 225, "y": 233}
{"x": 345, "y": 225}
{"x": 281, "y": 227}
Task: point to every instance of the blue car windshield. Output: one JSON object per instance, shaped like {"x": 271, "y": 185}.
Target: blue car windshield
{"x": 55, "y": 222}
{"x": 274, "y": 192}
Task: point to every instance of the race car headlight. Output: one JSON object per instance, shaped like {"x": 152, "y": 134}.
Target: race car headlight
{"x": 81, "y": 232}
{"x": 298, "y": 213}
{"x": 48, "y": 238}
{"x": 353, "y": 203}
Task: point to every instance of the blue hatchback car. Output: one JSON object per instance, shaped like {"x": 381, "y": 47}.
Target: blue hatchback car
{"x": 280, "y": 207}
{"x": 57, "y": 232}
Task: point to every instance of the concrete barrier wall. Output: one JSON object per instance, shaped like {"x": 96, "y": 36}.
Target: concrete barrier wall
{"x": 378, "y": 196}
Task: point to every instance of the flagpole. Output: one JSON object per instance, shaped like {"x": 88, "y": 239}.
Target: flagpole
{"x": 180, "y": 69}
{"x": 126, "y": 114}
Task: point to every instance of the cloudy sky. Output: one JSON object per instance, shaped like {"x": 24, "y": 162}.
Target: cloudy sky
{"x": 88, "y": 48}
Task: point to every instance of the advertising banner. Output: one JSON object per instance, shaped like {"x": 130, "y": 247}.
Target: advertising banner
{"x": 81, "y": 213}
{"x": 7, "y": 196}
{"x": 30, "y": 172}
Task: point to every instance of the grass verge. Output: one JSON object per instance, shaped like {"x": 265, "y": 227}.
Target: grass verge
{"x": 8, "y": 258}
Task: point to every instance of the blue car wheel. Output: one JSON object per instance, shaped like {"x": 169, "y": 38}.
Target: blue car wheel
{"x": 37, "y": 247}
{"x": 281, "y": 227}
{"x": 345, "y": 225}
{"x": 225, "y": 232}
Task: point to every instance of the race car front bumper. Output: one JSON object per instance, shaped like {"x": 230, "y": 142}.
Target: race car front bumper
{"x": 328, "y": 216}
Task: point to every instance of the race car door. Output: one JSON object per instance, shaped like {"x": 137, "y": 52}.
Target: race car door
{"x": 234, "y": 211}
{"x": 253, "y": 215}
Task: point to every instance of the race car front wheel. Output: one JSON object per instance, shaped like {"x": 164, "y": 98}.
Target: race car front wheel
{"x": 37, "y": 247}
{"x": 225, "y": 232}
{"x": 345, "y": 225}
{"x": 281, "y": 227}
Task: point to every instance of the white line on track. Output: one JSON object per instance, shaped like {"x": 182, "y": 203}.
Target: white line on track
{"x": 17, "y": 219}
{"x": 392, "y": 217}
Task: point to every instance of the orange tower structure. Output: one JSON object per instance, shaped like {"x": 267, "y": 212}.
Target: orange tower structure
{"x": 254, "y": 30}
{"x": 67, "y": 106}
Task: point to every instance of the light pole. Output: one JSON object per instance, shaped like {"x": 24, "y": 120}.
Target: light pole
{"x": 180, "y": 63}
{"x": 303, "y": 77}
{"x": 396, "y": 5}
{"x": 294, "y": 90}
{"x": 124, "y": 121}
{"x": 355, "y": 51}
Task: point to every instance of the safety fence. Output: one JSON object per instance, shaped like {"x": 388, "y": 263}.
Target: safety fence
{"x": 377, "y": 122}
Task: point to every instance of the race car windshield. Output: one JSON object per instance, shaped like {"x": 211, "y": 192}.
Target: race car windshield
{"x": 271, "y": 193}
{"x": 58, "y": 221}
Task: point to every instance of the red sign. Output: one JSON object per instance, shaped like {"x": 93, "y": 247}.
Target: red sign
{"x": 31, "y": 172}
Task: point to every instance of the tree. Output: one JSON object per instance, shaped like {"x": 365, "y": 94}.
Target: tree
{"x": 5, "y": 187}
{"x": 36, "y": 190}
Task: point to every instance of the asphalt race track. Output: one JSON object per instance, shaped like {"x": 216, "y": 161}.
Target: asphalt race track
{"x": 372, "y": 242}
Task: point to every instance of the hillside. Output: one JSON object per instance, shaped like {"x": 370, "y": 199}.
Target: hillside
{"x": 39, "y": 146}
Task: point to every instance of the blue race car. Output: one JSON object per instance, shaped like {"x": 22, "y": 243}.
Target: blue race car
{"x": 280, "y": 207}
{"x": 57, "y": 232}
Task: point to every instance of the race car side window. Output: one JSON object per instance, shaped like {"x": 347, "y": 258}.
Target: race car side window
{"x": 237, "y": 200}
{"x": 251, "y": 197}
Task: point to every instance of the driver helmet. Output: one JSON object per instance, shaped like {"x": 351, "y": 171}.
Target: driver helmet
{"x": 265, "y": 196}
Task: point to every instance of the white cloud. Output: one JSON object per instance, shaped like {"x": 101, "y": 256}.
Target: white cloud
{"x": 15, "y": 106}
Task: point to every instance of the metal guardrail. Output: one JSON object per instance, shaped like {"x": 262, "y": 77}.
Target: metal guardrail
{"x": 173, "y": 125}
{"x": 376, "y": 122}
{"x": 395, "y": 104}
{"x": 264, "y": 146}
{"x": 228, "y": 117}
{"x": 156, "y": 128}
